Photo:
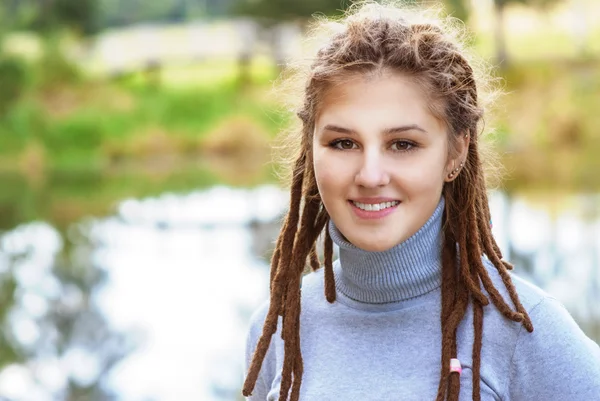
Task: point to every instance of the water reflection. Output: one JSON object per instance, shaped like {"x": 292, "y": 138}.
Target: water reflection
{"x": 58, "y": 345}
{"x": 182, "y": 271}
{"x": 152, "y": 302}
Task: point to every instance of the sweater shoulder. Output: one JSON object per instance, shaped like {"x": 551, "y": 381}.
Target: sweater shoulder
{"x": 312, "y": 283}
{"x": 557, "y": 361}
{"x": 270, "y": 373}
{"x": 530, "y": 295}
{"x": 312, "y": 288}
{"x": 270, "y": 366}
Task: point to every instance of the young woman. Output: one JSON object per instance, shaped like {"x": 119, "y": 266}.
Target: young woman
{"x": 420, "y": 304}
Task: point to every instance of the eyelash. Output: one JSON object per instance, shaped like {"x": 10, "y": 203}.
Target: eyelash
{"x": 413, "y": 146}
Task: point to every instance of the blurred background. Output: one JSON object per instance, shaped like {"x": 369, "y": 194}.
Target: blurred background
{"x": 138, "y": 200}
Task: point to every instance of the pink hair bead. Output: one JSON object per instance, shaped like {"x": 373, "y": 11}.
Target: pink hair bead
{"x": 455, "y": 366}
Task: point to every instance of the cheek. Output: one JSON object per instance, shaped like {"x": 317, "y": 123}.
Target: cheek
{"x": 323, "y": 175}
{"x": 427, "y": 174}
{"x": 329, "y": 176}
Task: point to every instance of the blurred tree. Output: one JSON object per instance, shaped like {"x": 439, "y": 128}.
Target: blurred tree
{"x": 13, "y": 77}
{"x": 49, "y": 15}
{"x": 82, "y": 15}
{"x": 126, "y": 12}
{"x": 499, "y": 34}
{"x": 458, "y": 9}
{"x": 275, "y": 11}
{"x": 271, "y": 15}
{"x": 78, "y": 15}
{"x": 9, "y": 14}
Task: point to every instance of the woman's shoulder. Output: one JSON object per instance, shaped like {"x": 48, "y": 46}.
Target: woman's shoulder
{"x": 257, "y": 318}
{"x": 549, "y": 316}
{"x": 530, "y": 295}
{"x": 557, "y": 361}
{"x": 312, "y": 290}
{"x": 554, "y": 362}
{"x": 552, "y": 322}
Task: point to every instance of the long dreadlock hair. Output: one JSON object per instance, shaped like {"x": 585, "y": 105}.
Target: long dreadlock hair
{"x": 372, "y": 38}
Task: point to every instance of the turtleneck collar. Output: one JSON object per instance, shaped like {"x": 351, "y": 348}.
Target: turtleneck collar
{"x": 405, "y": 271}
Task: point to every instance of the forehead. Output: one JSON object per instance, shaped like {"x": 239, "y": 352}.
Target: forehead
{"x": 378, "y": 99}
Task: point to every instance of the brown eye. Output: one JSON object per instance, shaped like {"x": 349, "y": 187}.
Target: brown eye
{"x": 402, "y": 146}
{"x": 344, "y": 144}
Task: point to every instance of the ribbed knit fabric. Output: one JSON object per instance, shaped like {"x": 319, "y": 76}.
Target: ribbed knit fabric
{"x": 381, "y": 339}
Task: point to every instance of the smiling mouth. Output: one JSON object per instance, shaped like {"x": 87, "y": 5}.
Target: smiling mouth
{"x": 375, "y": 207}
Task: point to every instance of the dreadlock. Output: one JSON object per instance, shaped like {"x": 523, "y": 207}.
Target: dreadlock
{"x": 373, "y": 38}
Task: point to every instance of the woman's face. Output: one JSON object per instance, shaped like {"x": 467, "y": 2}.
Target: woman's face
{"x": 380, "y": 159}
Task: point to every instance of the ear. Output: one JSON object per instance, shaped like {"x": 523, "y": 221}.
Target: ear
{"x": 461, "y": 151}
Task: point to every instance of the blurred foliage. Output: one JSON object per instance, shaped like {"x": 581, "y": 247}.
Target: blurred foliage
{"x": 47, "y": 15}
{"x": 64, "y": 136}
{"x": 281, "y": 10}
{"x": 535, "y": 3}
{"x": 499, "y": 32}
{"x": 65, "y": 125}
{"x": 54, "y": 121}
{"x": 126, "y": 12}
{"x": 54, "y": 71}
{"x": 458, "y": 9}
{"x": 87, "y": 17}
{"x": 276, "y": 11}
{"x": 82, "y": 124}
{"x": 13, "y": 79}
{"x": 9, "y": 351}
{"x": 550, "y": 130}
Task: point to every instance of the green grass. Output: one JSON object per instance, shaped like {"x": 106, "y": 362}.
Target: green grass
{"x": 80, "y": 136}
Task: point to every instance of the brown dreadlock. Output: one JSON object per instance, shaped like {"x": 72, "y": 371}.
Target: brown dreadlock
{"x": 373, "y": 38}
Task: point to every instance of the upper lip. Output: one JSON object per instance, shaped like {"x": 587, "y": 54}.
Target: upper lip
{"x": 379, "y": 199}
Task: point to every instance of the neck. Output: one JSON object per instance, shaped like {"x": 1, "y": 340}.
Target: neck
{"x": 405, "y": 271}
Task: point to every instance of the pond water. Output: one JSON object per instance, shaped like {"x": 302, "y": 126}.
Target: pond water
{"x": 152, "y": 302}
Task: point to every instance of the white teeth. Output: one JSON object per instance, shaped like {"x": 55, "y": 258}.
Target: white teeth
{"x": 375, "y": 206}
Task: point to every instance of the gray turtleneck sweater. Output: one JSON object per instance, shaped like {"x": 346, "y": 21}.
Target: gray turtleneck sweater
{"x": 381, "y": 339}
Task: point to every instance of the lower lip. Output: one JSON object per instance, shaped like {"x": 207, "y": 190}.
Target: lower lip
{"x": 372, "y": 214}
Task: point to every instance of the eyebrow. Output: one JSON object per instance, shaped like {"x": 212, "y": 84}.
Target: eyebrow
{"x": 387, "y": 131}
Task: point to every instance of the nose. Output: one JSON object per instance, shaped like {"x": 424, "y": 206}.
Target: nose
{"x": 372, "y": 172}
